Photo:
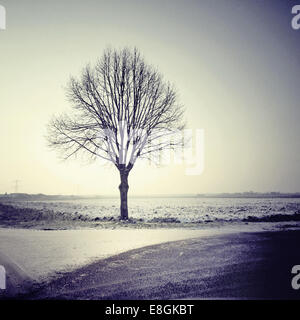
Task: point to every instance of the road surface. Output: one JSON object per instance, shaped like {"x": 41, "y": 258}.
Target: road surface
{"x": 253, "y": 265}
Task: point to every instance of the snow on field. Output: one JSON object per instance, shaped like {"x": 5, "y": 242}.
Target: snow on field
{"x": 181, "y": 209}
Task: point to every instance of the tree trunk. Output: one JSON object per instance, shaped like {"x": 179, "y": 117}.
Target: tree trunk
{"x": 123, "y": 194}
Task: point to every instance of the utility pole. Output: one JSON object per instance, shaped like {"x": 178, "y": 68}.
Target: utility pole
{"x": 16, "y": 183}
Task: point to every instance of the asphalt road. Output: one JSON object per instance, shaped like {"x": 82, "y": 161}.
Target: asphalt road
{"x": 233, "y": 266}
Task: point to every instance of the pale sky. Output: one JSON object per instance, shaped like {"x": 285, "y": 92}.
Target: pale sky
{"x": 236, "y": 64}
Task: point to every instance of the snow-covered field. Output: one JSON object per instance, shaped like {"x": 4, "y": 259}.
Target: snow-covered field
{"x": 181, "y": 209}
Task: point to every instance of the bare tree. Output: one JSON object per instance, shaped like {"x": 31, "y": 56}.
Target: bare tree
{"x": 122, "y": 110}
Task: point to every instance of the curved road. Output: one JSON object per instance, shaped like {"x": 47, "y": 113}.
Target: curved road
{"x": 241, "y": 265}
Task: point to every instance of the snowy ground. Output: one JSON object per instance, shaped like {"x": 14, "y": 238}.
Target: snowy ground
{"x": 185, "y": 210}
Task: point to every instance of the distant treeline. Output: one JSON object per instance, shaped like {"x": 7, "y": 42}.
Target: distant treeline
{"x": 45, "y": 197}
{"x": 41, "y": 197}
{"x": 251, "y": 195}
